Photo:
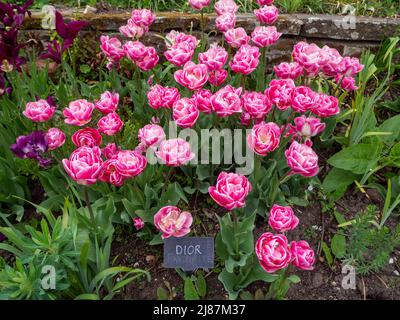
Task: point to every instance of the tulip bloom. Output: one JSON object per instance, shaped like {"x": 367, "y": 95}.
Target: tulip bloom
{"x": 185, "y": 113}
{"x": 55, "y": 138}
{"x": 192, "y": 76}
{"x": 173, "y": 222}
{"x": 272, "y": 251}
{"x": 230, "y": 191}
{"x": 39, "y": 111}
{"x": 174, "y": 152}
{"x": 282, "y": 219}
{"x": 302, "y": 159}
{"x": 78, "y": 113}
{"x": 84, "y": 165}
{"x": 264, "y": 138}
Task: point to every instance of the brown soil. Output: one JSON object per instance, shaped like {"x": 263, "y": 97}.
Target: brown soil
{"x": 321, "y": 283}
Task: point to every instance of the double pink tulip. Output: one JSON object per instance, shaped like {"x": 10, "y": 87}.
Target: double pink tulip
{"x": 88, "y": 137}
{"x": 225, "y": 22}
{"x": 230, "y": 191}
{"x": 143, "y": 17}
{"x": 84, "y": 165}
{"x": 202, "y": 100}
{"x": 326, "y": 106}
{"x": 55, "y": 138}
{"x": 108, "y": 102}
{"x": 226, "y": 101}
{"x": 265, "y": 36}
{"x": 267, "y": 14}
{"x": 279, "y": 93}
{"x": 214, "y": 58}
{"x": 287, "y": 70}
{"x": 192, "y": 76}
{"x": 246, "y": 60}
{"x": 236, "y": 37}
{"x": 110, "y": 124}
{"x": 175, "y": 152}
{"x": 272, "y": 251}
{"x": 256, "y": 104}
{"x": 264, "y": 138}
{"x": 151, "y": 135}
{"x": 39, "y": 111}
{"x": 199, "y": 4}
{"x": 303, "y": 99}
{"x": 302, "y": 254}
{"x": 173, "y": 222}
{"x": 185, "y": 113}
{"x": 302, "y": 159}
{"x": 225, "y": 6}
{"x": 282, "y": 219}
{"x": 308, "y": 126}
{"x": 162, "y": 97}
{"x": 218, "y": 77}
{"x": 78, "y": 113}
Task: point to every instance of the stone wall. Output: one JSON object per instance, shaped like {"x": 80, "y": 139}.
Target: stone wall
{"x": 349, "y": 37}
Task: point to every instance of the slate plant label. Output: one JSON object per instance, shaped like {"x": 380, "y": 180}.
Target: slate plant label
{"x": 189, "y": 253}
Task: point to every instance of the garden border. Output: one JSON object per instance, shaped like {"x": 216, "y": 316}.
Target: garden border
{"x": 332, "y": 30}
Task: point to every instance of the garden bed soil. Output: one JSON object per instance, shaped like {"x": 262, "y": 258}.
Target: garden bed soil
{"x": 323, "y": 283}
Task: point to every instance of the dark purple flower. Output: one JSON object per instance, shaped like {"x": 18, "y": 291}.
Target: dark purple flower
{"x": 12, "y": 15}
{"x": 32, "y": 146}
{"x": 2, "y": 237}
{"x": 55, "y": 51}
{"x": 68, "y": 30}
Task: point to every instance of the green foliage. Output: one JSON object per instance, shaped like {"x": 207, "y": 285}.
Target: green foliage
{"x": 80, "y": 258}
{"x": 368, "y": 246}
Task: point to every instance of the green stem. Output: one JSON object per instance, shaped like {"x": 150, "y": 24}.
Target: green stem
{"x": 86, "y": 195}
{"x": 155, "y": 75}
{"x": 285, "y": 178}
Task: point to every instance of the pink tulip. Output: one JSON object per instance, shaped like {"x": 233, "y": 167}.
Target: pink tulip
{"x": 279, "y": 93}
{"x": 265, "y": 36}
{"x": 308, "y": 126}
{"x": 225, "y": 22}
{"x": 185, "y": 113}
{"x": 162, "y": 97}
{"x": 264, "y": 138}
{"x": 236, "y": 37}
{"x": 110, "y": 150}
{"x": 143, "y": 17}
{"x": 112, "y": 48}
{"x": 246, "y": 60}
{"x": 303, "y": 256}
{"x": 174, "y": 152}
{"x": 303, "y": 99}
{"x": 179, "y": 53}
{"x": 202, "y": 100}
{"x": 302, "y": 159}
{"x": 282, "y": 219}
{"x": 332, "y": 61}
{"x": 78, "y": 113}
{"x": 256, "y": 104}
{"x": 108, "y": 102}
{"x": 110, "y": 124}
{"x": 151, "y": 135}
{"x": 217, "y": 77}
{"x": 288, "y": 70}
{"x": 326, "y": 106}
{"x": 214, "y": 58}
{"x": 230, "y": 191}
{"x": 199, "y": 4}
{"x": 87, "y": 137}
{"x": 225, "y": 6}
{"x": 132, "y": 30}
{"x": 226, "y": 101}
{"x": 350, "y": 66}
{"x": 110, "y": 174}
{"x": 309, "y": 56}
{"x": 129, "y": 163}
{"x": 173, "y": 222}
{"x": 84, "y": 165}
{"x": 149, "y": 61}
{"x": 138, "y": 223}
{"x": 175, "y": 37}
{"x": 265, "y": 2}
{"x": 135, "y": 50}
{"x": 272, "y": 251}
{"x": 192, "y": 76}
{"x": 346, "y": 83}
{"x": 267, "y": 14}
{"x": 55, "y": 138}
{"x": 39, "y": 111}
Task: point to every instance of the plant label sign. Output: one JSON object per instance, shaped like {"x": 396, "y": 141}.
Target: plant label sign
{"x": 189, "y": 253}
